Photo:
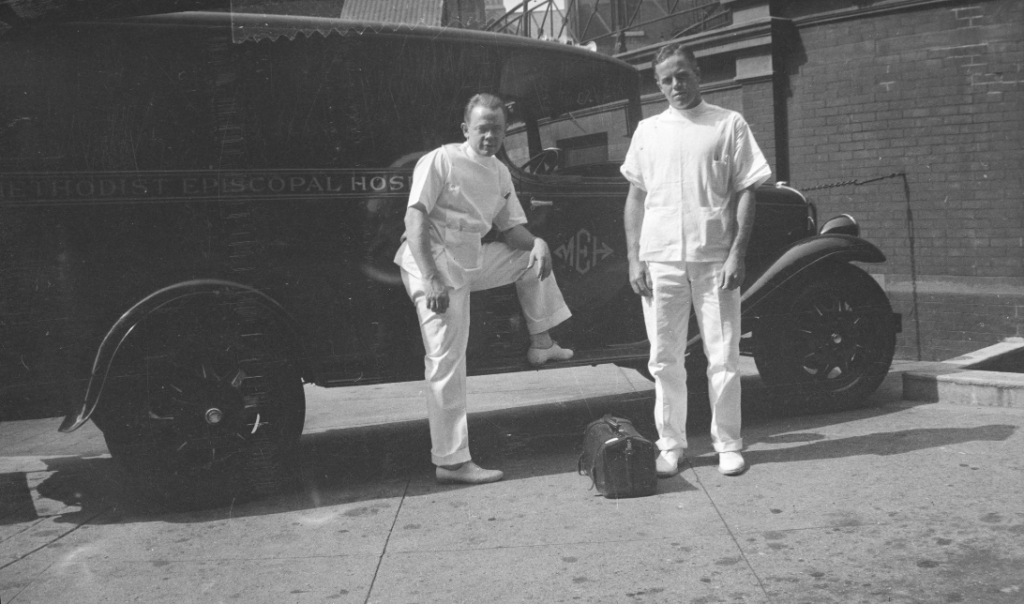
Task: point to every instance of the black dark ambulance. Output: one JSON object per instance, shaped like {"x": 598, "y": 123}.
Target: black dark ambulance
{"x": 199, "y": 211}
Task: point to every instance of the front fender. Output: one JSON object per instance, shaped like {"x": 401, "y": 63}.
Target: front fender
{"x": 803, "y": 256}
{"x": 119, "y": 333}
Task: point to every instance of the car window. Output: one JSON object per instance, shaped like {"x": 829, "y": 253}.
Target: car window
{"x": 589, "y": 139}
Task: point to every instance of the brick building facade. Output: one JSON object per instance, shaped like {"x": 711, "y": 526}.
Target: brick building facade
{"x": 923, "y": 98}
{"x": 936, "y": 93}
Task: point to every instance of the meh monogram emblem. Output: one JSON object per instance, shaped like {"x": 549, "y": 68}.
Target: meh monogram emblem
{"x": 583, "y": 251}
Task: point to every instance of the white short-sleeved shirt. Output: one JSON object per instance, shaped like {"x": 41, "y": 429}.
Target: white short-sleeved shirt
{"x": 465, "y": 194}
{"x": 690, "y": 163}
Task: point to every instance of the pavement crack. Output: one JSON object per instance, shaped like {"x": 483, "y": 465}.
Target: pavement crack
{"x": 55, "y": 539}
{"x": 384, "y": 550}
{"x": 38, "y": 521}
{"x": 29, "y": 584}
{"x": 732, "y": 535}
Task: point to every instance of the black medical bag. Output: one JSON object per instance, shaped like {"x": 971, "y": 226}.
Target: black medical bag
{"x": 618, "y": 459}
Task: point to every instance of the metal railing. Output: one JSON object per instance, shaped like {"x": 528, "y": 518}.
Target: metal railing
{"x": 584, "y": 21}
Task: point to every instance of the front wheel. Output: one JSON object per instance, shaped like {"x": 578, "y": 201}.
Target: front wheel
{"x": 206, "y": 410}
{"x": 828, "y": 341}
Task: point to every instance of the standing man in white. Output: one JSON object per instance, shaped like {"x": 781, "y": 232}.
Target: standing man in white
{"x": 692, "y": 171}
{"x": 459, "y": 191}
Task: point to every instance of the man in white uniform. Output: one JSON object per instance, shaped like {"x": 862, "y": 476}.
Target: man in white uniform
{"x": 459, "y": 192}
{"x": 692, "y": 171}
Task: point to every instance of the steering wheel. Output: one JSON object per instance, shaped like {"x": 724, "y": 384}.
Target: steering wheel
{"x": 545, "y": 162}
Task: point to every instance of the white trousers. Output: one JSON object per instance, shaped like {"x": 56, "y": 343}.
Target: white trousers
{"x": 446, "y": 335}
{"x": 667, "y": 315}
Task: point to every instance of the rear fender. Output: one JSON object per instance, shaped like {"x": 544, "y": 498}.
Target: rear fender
{"x": 122, "y": 329}
{"x": 804, "y": 256}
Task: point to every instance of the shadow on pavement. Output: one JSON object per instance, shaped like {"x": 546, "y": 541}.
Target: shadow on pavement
{"x": 881, "y": 443}
{"x": 73, "y": 490}
{"x": 363, "y": 464}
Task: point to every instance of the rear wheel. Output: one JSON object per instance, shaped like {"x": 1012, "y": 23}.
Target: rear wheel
{"x": 828, "y": 341}
{"x": 207, "y": 410}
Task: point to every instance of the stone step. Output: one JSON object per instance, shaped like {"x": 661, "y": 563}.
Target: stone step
{"x": 964, "y": 380}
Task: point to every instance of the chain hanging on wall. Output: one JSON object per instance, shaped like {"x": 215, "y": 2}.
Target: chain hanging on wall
{"x": 846, "y": 183}
{"x": 911, "y": 239}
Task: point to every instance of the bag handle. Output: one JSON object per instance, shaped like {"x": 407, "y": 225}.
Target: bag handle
{"x": 613, "y": 424}
{"x": 582, "y": 472}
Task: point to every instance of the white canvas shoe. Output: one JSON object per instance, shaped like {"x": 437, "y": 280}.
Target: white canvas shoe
{"x": 467, "y": 473}
{"x": 731, "y": 463}
{"x": 540, "y": 356}
{"x": 667, "y": 463}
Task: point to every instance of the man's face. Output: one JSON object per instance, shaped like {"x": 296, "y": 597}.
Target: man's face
{"x": 679, "y": 82}
{"x": 485, "y": 130}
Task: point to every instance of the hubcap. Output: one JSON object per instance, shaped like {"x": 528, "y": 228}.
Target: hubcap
{"x": 214, "y": 415}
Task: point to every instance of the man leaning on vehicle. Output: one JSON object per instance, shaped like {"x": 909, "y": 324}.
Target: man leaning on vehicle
{"x": 692, "y": 171}
{"x": 459, "y": 192}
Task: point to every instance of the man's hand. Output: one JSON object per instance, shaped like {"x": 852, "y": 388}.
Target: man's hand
{"x": 518, "y": 238}
{"x": 640, "y": 279}
{"x": 633, "y": 219}
{"x": 437, "y": 295}
{"x": 741, "y": 226}
{"x": 417, "y": 232}
{"x": 540, "y": 256}
{"x": 733, "y": 272}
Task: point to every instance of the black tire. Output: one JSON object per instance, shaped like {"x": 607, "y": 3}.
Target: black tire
{"x": 184, "y": 362}
{"x": 827, "y": 341}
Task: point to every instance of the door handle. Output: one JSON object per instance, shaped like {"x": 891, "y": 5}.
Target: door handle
{"x": 540, "y": 203}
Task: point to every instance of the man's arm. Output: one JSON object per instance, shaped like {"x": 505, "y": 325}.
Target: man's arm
{"x": 633, "y": 218}
{"x": 735, "y": 265}
{"x": 417, "y": 235}
{"x": 518, "y": 237}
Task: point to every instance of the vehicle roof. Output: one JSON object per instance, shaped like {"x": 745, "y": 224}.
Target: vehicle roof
{"x": 262, "y": 26}
{"x": 547, "y": 78}
{"x": 259, "y": 26}
{"x": 403, "y": 64}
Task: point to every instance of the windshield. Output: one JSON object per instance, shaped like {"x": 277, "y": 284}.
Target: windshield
{"x": 587, "y": 139}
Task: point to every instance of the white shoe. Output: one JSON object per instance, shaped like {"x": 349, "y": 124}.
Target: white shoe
{"x": 467, "y": 473}
{"x": 731, "y": 463}
{"x": 539, "y": 356}
{"x": 667, "y": 463}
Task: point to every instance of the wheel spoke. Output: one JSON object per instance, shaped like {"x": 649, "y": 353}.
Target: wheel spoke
{"x": 839, "y": 367}
{"x": 833, "y": 344}
{"x": 186, "y": 424}
{"x": 811, "y": 363}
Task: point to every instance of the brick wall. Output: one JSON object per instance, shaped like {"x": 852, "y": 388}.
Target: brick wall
{"x": 935, "y": 93}
{"x": 757, "y": 110}
{"x": 752, "y": 99}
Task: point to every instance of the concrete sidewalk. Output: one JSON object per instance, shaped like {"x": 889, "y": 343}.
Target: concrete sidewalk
{"x": 895, "y": 502}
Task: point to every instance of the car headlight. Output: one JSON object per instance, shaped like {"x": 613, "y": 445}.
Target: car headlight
{"x": 844, "y": 224}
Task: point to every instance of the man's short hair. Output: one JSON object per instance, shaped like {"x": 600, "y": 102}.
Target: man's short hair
{"x": 677, "y": 49}
{"x": 487, "y": 100}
